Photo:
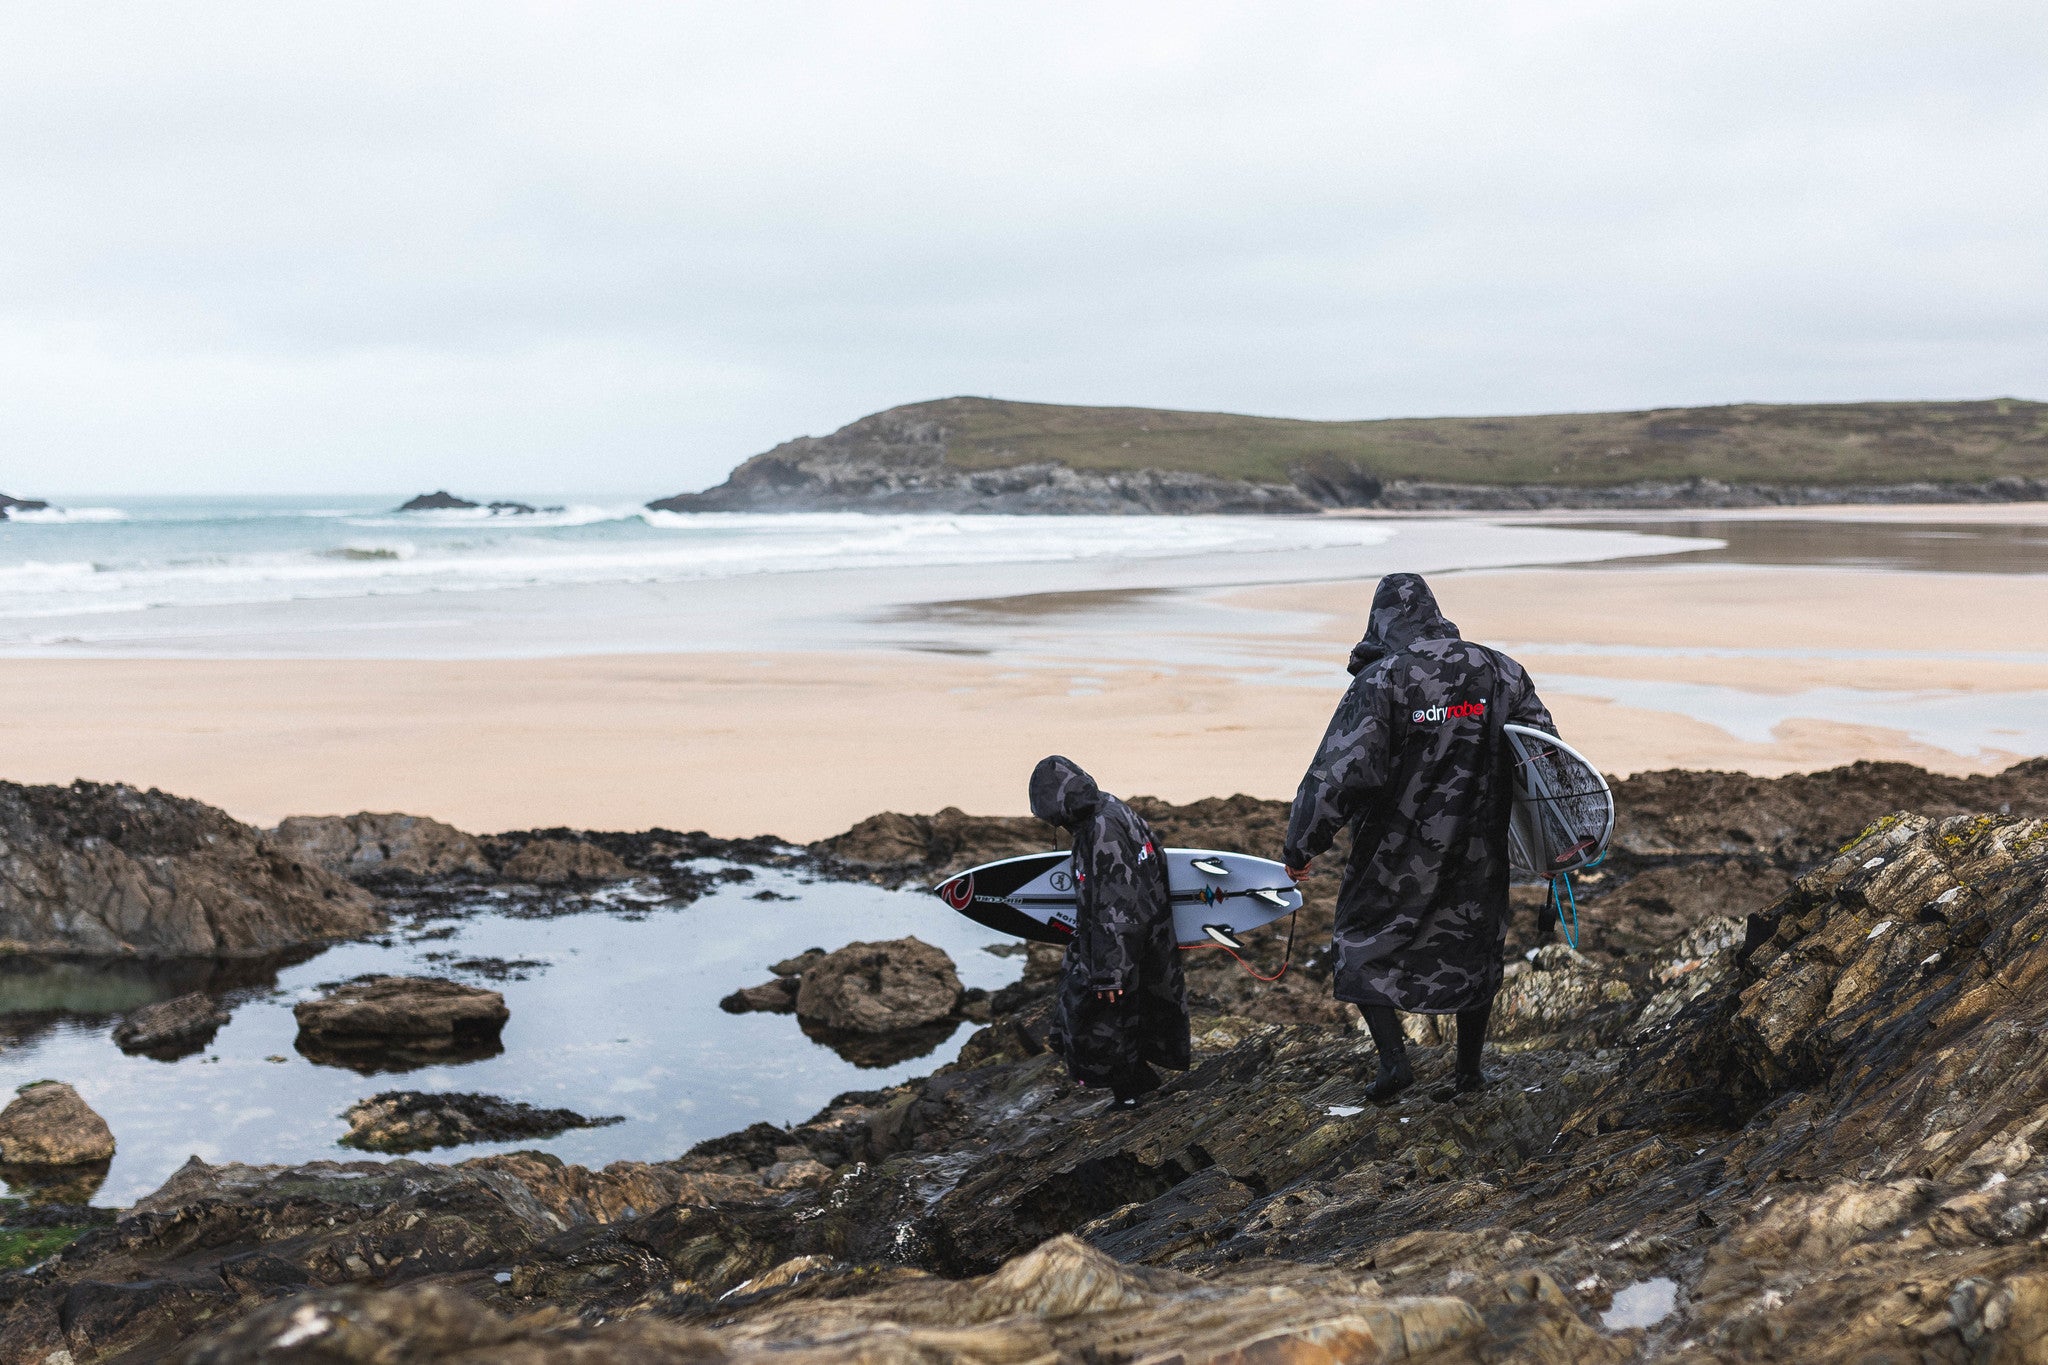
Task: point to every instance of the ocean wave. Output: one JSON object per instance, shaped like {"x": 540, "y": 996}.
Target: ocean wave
{"x": 67, "y": 516}
{"x": 202, "y": 570}
{"x": 31, "y": 571}
{"x": 371, "y": 552}
{"x": 543, "y": 518}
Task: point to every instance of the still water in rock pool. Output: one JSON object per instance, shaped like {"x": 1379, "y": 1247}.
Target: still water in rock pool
{"x": 614, "y": 1011}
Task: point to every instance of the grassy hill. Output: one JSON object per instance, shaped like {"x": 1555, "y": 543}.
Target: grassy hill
{"x": 1818, "y": 443}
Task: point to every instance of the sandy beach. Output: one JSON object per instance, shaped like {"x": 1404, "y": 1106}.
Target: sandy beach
{"x": 1812, "y": 667}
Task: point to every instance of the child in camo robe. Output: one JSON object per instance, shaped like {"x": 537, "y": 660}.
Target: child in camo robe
{"x": 1122, "y": 1005}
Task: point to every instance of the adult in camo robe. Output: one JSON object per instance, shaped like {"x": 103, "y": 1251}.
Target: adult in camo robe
{"x": 1122, "y": 1002}
{"x": 1414, "y": 762}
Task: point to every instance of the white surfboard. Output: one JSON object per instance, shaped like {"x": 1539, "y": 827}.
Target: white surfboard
{"x": 1033, "y": 896}
{"x": 1563, "y": 814}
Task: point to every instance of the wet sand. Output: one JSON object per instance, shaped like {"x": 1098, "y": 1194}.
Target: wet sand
{"x": 1178, "y": 693}
{"x": 802, "y": 745}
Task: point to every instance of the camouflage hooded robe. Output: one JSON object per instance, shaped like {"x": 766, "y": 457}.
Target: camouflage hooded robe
{"x": 1123, "y": 935}
{"x": 1415, "y": 763}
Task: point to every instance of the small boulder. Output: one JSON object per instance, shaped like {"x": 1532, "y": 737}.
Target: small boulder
{"x": 414, "y": 1009}
{"x": 375, "y": 846}
{"x": 770, "y": 997}
{"x": 550, "y": 862}
{"x": 798, "y": 965}
{"x": 171, "y": 1028}
{"x": 902, "y": 983}
{"x": 414, "y": 1121}
{"x": 47, "y": 1124}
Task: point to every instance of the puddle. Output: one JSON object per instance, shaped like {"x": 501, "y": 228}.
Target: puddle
{"x": 1966, "y": 723}
{"x": 1898, "y": 546}
{"x": 614, "y": 1011}
{"x": 1643, "y": 1304}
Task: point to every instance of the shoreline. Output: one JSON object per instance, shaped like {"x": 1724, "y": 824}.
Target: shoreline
{"x": 872, "y": 692}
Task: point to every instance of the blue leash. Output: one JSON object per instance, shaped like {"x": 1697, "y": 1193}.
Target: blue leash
{"x": 1567, "y": 906}
{"x": 1568, "y": 903}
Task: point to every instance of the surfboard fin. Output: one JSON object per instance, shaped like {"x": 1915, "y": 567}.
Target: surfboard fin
{"x": 1222, "y": 936}
{"x": 1209, "y": 867}
{"x": 1270, "y": 897}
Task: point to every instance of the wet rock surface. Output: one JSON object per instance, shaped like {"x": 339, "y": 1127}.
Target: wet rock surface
{"x": 400, "y": 1022}
{"x": 1796, "y": 1121}
{"x": 47, "y": 1123}
{"x": 415, "y": 1121}
{"x": 886, "y": 987}
{"x": 172, "y": 1028}
{"x": 110, "y": 870}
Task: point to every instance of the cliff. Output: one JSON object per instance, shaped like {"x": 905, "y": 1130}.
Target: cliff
{"x": 988, "y": 455}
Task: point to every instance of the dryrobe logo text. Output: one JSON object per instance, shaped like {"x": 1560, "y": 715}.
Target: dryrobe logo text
{"x": 1442, "y": 713}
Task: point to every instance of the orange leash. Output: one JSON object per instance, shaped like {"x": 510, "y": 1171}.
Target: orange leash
{"x": 1286, "y": 958}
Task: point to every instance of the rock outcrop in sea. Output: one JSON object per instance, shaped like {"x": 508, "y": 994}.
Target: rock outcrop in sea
{"x": 444, "y": 501}
{"x": 1784, "y": 1103}
{"x": 110, "y": 870}
{"x": 9, "y": 505}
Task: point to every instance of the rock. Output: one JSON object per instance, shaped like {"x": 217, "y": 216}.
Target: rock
{"x": 770, "y": 997}
{"x": 419, "y": 1012}
{"x": 8, "y": 506}
{"x": 414, "y": 1121}
{"x": 895, "y": 848}
{"x": 47, "y": 1124}
{"x": 884, "y": 987}
{"x": 1552, "y": 989}
{"x": 171, "y": 1028}
{"x": 1811, "y": 1131}
{"x": 799, "y": 1174}
{"x": 110, "y": 870}
{"x": 377, "y": 847}
{"x": 798, "y": 965}
{"x": 442, "y": 501}
{"x": 551, "y": 862}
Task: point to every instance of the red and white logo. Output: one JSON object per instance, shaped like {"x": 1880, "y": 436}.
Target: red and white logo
{"x": 1438, "y": 714}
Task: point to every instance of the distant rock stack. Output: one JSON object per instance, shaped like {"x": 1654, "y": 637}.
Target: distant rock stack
{"x": 11, "y": 505}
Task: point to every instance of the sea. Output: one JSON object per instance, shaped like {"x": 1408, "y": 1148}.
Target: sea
{"x": 353, "y": 577}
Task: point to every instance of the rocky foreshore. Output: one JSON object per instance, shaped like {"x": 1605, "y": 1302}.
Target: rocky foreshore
{"x": 1779, "y": 1105}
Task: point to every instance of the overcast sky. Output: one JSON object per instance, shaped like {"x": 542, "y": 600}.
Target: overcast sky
{"x": 587, "y": 247}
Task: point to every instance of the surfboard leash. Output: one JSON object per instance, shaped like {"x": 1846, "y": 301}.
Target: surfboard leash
{"x": 1286, "y": 957}
{"x": 1566, "y": 904}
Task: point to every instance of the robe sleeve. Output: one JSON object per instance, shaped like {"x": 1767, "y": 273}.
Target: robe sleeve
{"x": 1349, "y": 767}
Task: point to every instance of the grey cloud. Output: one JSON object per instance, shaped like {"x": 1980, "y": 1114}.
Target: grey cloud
{"x": 627, "y": 245}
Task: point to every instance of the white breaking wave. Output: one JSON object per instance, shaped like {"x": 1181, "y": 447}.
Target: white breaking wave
{"x": 542, "y": 518}
{"x": 67, "y": 516}
{"x": 480, "y": 553}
